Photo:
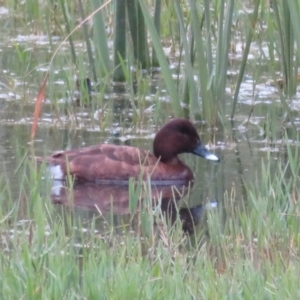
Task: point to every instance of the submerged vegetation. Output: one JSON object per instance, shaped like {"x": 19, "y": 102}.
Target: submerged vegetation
{"x": 209, "y": 53}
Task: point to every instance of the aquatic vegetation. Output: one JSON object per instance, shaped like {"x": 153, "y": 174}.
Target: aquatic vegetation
{"x": 216, "y": 58}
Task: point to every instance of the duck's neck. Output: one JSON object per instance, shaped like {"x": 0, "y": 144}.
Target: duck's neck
{"x": 171, "y": 161}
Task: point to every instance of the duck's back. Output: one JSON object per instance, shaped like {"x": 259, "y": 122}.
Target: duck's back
{"x": 103, "y": 162}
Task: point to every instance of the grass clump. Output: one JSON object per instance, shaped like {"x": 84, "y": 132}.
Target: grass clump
{"x": 245, "y": 249}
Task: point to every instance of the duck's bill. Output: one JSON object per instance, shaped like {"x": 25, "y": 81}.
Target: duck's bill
{"x": 200, "y": 150}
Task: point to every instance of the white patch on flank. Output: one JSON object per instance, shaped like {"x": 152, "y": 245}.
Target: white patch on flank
{"x": 56, "y": 172}
{"x": 56, "y": 187}
{"x": 213, "y": 204}
{"x": 212, "y": 157}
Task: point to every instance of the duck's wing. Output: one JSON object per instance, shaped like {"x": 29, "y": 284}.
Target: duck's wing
{"x": 101, "y": 162}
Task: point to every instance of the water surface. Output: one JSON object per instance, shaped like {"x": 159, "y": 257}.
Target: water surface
{"x": 132, "y": 117}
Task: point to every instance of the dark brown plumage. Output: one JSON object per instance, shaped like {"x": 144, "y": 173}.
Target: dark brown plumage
{"x": 118, "y": 163}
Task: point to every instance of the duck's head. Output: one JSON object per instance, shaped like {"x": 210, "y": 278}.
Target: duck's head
{"x": 176, "y": 137}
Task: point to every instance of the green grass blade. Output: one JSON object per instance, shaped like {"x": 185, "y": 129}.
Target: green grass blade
{"x": 245, "y": 56}
{"x": 189, "y": 71}
{"x": 222, "y": 51}
{"x": 208, "y": 103}
{"x": 87, "y": 41}
{"x": 119, "y": 40}
{"x": 165, "y": 69}
{"x": 295, "y": 18}
{"x": 70, "y": 39}
{"x": 103, "y": 61}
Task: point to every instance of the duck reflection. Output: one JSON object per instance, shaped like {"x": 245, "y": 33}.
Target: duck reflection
{"x": 116, "y": 199}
